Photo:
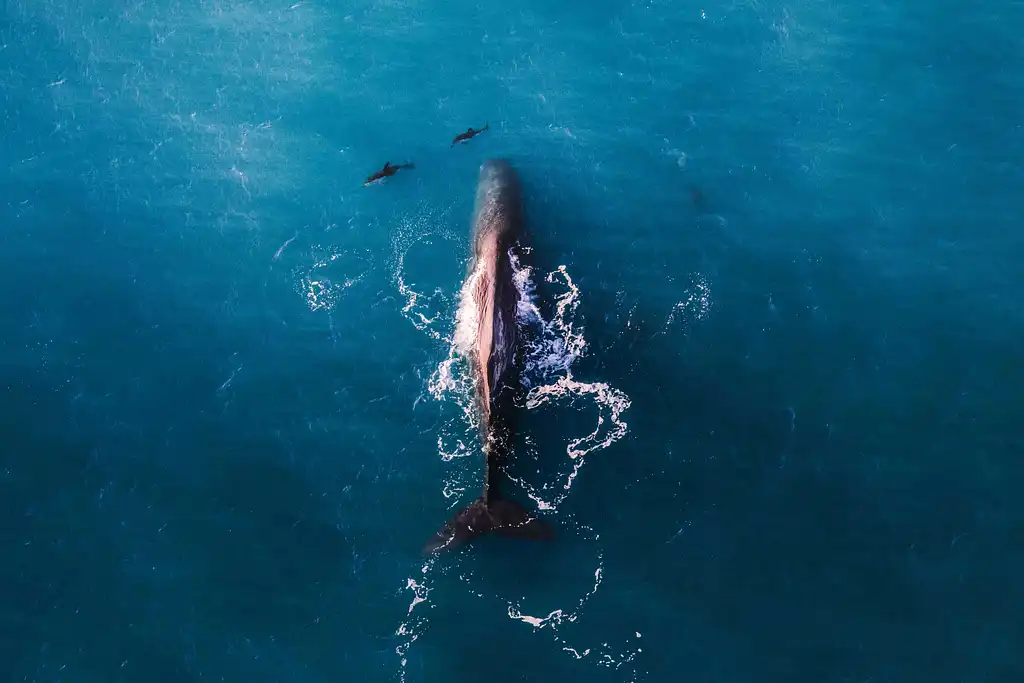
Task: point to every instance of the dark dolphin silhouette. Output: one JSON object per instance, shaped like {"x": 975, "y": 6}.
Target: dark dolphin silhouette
{"x": 462, "y": 137}
{"x": 388, "y": 170}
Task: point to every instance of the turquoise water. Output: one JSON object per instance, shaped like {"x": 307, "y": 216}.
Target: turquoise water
{"x": 776, "y": 408}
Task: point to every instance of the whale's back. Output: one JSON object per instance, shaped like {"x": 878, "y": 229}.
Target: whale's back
{"x": 497, "y": 225}
{"x": 496, "y": 299}
{"x": 487, "y": 330}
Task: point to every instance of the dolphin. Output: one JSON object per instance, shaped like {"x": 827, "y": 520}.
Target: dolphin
{"x": 464, "y": 137}
{"x": 388, "y": 170}
{"x": 497, "y": 228}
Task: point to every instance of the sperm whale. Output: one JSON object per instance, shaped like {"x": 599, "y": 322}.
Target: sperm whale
{"x": 497, "y": 228}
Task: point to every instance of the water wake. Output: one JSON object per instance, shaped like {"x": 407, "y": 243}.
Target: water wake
{"x": 324, "y": 282}
{"x": 422, "y": 310}
{"x": 551, "y": 347}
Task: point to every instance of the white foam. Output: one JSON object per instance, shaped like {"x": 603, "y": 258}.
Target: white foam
{"x": 423, "y": 310}
{"x": 696, "y": 306}
{"x": 608, "y": 655}
{"x": 547, "y": 375}
{"x": 467, "y": 317}
{"x": 408, "y": 630}
{"x": 413, "y": 303}
{"x": 549, "y": 356}
{"x": 325, "y": 281}
{"x": 557, "y": 617}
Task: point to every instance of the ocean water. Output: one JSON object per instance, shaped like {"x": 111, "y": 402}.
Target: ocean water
{"x": 775, "y": 400}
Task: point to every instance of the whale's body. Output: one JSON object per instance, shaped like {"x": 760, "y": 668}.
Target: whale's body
{"x": 493, "y": 355}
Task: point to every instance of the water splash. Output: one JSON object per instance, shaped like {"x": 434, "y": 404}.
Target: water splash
{"x": 549, "y": 359}
{"x": 409, "y": 631}
{"x": 609, "y": 429}
{"x": 696, "y": 306}
{"x": 604, "y": 654}
{"x": 559, "y": 343}
{"x": 423, "y": 310}
{"x": 333, "y": 271}
{"x": 550, "y": 352}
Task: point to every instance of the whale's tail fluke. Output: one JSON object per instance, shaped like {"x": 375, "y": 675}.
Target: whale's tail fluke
{"x": 504, "y": 517}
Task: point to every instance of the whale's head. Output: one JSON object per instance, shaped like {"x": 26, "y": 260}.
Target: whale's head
{"x": 498, "y": 173}
{"x": 499, "y": 202}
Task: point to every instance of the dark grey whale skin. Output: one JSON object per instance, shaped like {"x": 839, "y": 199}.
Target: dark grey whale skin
{"x": 497, "y": 227}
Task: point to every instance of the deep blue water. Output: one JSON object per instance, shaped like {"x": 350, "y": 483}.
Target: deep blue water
{"x": 229, "y": 421}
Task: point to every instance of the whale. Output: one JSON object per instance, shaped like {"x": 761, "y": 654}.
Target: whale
{"x": 494, "y": 357}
